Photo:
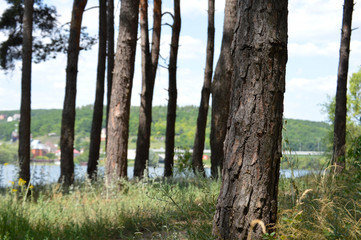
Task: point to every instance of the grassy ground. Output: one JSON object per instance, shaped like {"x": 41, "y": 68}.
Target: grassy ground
{"x": 312, "y": 207}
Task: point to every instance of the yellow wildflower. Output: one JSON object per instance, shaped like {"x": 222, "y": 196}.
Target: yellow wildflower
{"x": 31, "y": 186}
{"x": 21, "y": 182}
{"x": 14, "y": 190}
{"x": 5, "y": 164}
{"x": 12, "y": 182}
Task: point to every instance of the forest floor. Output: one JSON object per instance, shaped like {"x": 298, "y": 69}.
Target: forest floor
{"x": 317, "y": 206}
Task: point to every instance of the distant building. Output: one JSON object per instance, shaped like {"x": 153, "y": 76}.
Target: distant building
{"x": 38, "y": 149}
{"x": 14, "y": 135}
{"x": 75, "y": 153}
{"x": 16, "y": 116}
{"x": 2, "y": 117}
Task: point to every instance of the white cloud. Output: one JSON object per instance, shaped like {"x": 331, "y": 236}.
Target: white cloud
{"x": 314, "y": 20}
{"x": 321, "y": 85}
{"x": 191, "y": 48}
{"x": 200, "y": 6}
{"x": 304, "y": 97}
{"x": 311, "y": 49}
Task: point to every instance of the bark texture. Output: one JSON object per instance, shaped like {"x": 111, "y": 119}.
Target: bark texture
{"x": 118, "y": 124}
{"x": 99, "y": 94}
{"x": 198, "y": 147}
{"x": 149, "y": 69}
{"x": 110, "y": 52}
{"x": 172, "y": 92}
{"x": 68, "y": 115}
{"x": 221, "y": 86}
{"x": 253, "y": 142}
{"x": 339, "y": 137}
{"x": 25, "y": 108}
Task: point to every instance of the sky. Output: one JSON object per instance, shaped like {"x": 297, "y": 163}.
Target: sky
{"x": 313, "y": 55}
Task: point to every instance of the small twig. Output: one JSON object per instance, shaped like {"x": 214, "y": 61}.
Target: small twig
{"x": 169, "y": 13}
{"x": 91, "y": 8}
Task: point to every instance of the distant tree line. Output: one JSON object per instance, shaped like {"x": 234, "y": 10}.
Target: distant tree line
{"x": 297, "y": 134}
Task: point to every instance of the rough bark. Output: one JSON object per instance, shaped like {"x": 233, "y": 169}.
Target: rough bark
{"x": 172, "y": 92}
{"x": 110, "y": 52}
{"x": 149, "y": 68}
{"x": 99, "y": 94}
{"x": 68, "y": 115}
{"x": 253, "y": 142}
{"x": 199, "y": 139}
{"x": 25, "y": 108}
{"x": 339, "y": 137}
{"x": 118, "y": 125}
{"x": 221, "y": 86}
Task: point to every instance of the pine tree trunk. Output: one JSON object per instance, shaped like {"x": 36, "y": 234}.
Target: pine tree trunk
{"x": 339, "y": 137}
{"x": 118, "y": 125}
{"x": 99, "y": 94}
{"x": 110, "y": 52}
{"x": 25, "y": 108}
{"x": 149, "y": 68}
{"x": 172, "y": 93}
{"x": 221, "y": 87}
{"x": 198, "y": 146}
{"x": 68, "y": 116}
{"x": 253, "y": 142}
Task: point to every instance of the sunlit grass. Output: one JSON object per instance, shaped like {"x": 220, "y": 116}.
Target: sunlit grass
{"x": 151, "y": 210}
{"x": 311, "y": 207}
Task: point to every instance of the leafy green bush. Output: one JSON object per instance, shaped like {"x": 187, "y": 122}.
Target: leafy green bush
{"x": 8, "y": 153}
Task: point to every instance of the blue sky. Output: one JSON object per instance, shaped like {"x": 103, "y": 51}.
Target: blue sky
{"x": 314, "y": 39}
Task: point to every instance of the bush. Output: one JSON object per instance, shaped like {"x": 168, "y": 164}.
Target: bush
{"x": 8, "y": 153}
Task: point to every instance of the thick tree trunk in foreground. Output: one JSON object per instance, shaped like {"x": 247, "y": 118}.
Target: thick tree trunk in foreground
{"x": 68, "y": 116}
{"x": 149, "y": 69}
{"x": 221, "y": 87}
{"x": 253, "y": 142}
{"x": 199, "y": 139}
{"x": 118, "y": 125}
{"x": 110, "y": 52}
{"x": 339, "y": 137}
{"x": 25, "y": 108}
{"x": 99, "y": 94}
{"x": 172, "y": 93}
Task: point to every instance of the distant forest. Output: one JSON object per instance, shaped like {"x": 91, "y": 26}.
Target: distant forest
{"x": 298, "y": 134}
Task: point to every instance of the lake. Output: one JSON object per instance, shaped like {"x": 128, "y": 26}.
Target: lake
{"x": 51, "y": 173}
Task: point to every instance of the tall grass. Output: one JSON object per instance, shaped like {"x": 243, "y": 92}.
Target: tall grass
{"x": 326, "y": 206}
{"x": 154, "y": 209}
{"x": 322, "y": 206}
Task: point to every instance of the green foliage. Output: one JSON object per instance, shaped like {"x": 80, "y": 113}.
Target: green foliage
{"x": 353, "y": 120}
{"x": 44, "y": 122}
{"x": 304, "y": 135}
{"x": 183, "y": 163}
{"x": 48, "y": 37}
{"x": 354, "y": 156}
{"x": 51, "y": 155}
{"x": 8, "y": 153}
{"x": 355, "y": 96}
{"x": 6, "y": 128}
{"x": 153, "y": 159}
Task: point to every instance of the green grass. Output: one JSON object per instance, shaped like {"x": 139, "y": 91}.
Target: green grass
{"x": 307, "y": 162}
{"x": 311, "y": 207}
{"x": 151, "y": 210}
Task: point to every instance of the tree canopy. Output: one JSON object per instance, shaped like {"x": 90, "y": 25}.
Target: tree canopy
{"x": 49, "y": 36}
